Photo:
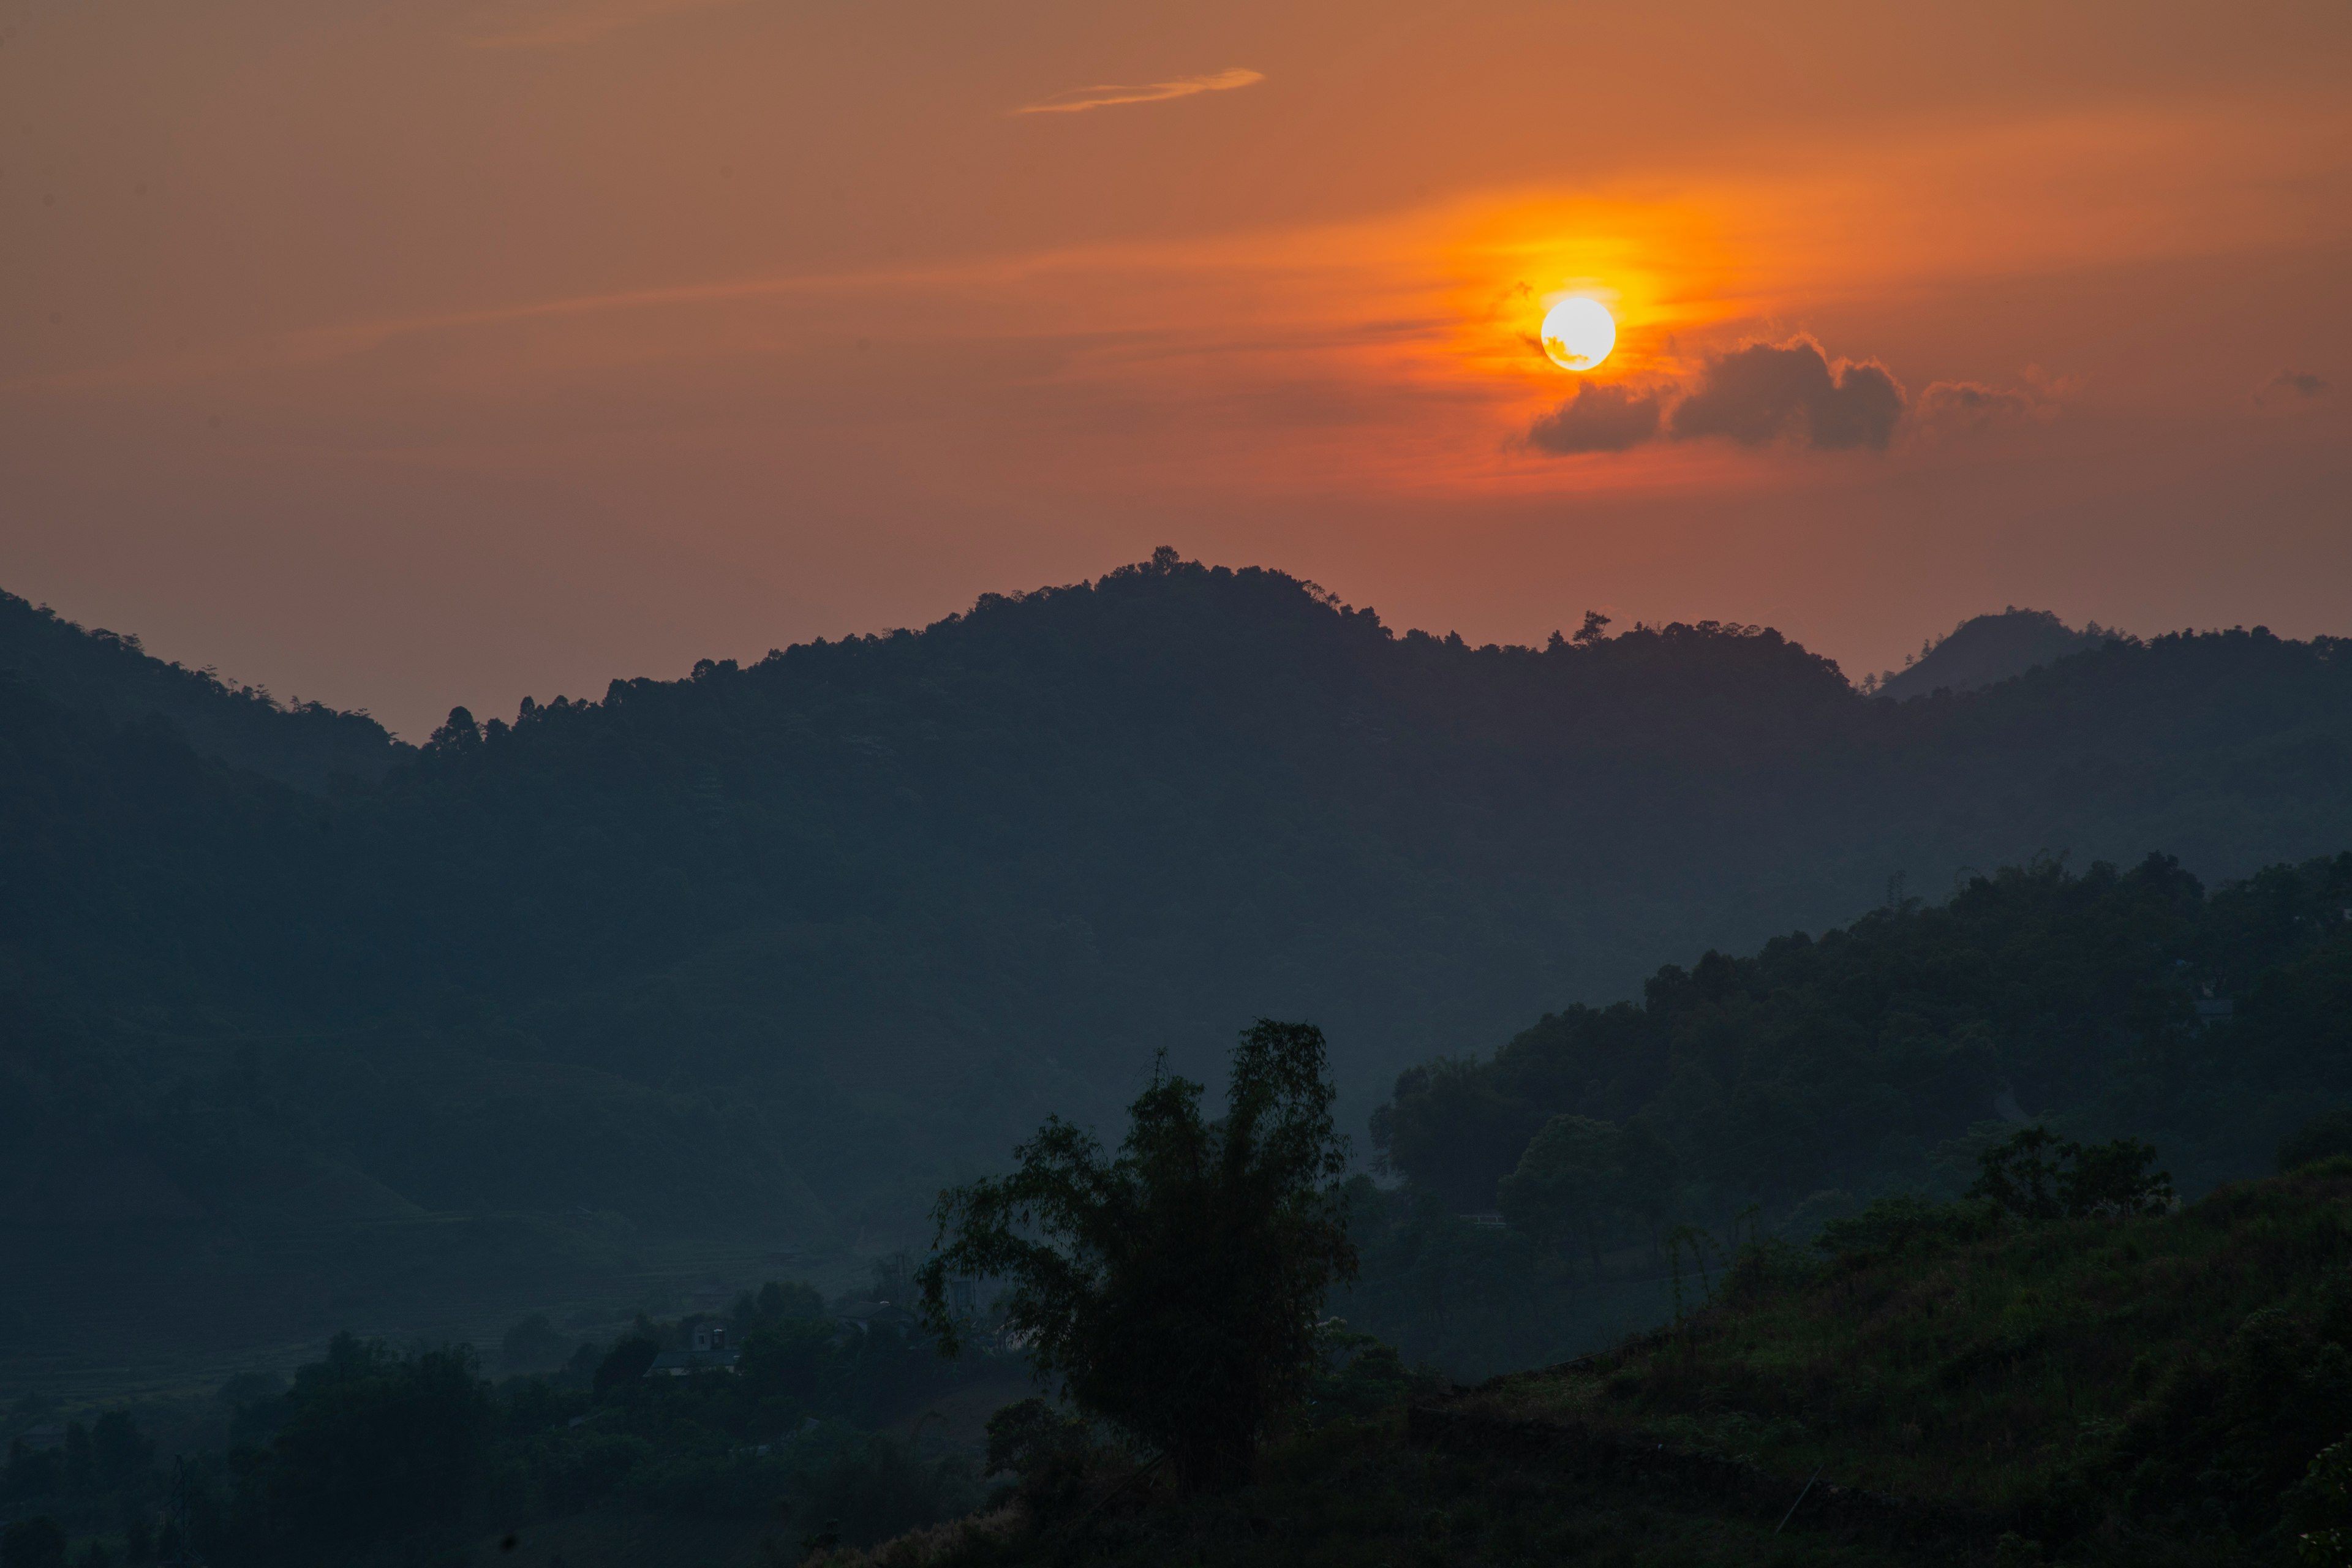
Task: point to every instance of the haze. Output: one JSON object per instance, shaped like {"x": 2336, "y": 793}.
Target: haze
{"x": 408, "y": 356}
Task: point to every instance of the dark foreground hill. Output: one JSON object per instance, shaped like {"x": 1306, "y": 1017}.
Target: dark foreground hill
{"x": 625, "y": 992}
{"x": 2100, "y": 1392}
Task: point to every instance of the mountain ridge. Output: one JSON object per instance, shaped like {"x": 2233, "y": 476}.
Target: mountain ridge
{"x": 826, "y": 929}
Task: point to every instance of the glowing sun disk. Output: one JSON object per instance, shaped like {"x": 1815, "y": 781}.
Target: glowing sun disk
{"x": 1578, "y": 334}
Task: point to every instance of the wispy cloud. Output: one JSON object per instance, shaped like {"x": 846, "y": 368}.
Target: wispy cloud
{"x": 2289, "y": 388}
{"x": 1973, "y": 405}
{"x": 1084, "y": 98}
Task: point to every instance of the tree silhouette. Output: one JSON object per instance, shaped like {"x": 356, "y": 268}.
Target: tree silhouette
{"x": 1174, "y": 1288}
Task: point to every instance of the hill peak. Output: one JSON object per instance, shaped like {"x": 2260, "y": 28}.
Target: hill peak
{"x": 1985, "y": 651}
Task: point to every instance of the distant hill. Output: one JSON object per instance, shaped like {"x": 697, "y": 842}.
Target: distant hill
{"x": 1984, "y": 649}
{"x": 109, "y": 676}
{"x": 757, "y": 958}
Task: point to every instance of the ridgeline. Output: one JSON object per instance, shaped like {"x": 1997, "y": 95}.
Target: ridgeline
{"x": 618, "y": 996}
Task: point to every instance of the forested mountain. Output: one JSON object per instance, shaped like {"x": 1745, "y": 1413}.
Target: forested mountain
{"x": 769, "y": 952}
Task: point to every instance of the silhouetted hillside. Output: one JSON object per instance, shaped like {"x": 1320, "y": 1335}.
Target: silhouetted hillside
{"x": 110, "y": 676}
{"x": 1986, "y": 649}
{"x": 768, "y": 953}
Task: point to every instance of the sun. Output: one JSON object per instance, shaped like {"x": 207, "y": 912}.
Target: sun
{"x": 1578, "y": 332}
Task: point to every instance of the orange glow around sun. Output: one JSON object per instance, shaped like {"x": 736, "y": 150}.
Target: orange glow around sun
{"x": 1643, "y": 271}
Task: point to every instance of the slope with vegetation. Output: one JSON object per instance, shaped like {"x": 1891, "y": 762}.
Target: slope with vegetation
{"x": 2107, "y": 1389}
{"x": 1970, "y": 1383}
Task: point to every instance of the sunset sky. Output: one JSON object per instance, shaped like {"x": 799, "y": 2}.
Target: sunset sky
{"x": 407, "y": 354}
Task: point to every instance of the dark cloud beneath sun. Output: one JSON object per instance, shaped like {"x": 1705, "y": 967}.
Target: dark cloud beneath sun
{"x": 1757, "y": 393}
{"x": 1599, "y": 418}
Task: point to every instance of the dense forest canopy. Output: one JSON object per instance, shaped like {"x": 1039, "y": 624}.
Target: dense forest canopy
{"x": 776, "y": 950}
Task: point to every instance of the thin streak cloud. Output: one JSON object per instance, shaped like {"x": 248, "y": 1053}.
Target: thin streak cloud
{"x": 1084, "y": 98}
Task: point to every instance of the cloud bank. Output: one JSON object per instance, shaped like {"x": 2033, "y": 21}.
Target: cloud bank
{"x": 1080, "y": 98}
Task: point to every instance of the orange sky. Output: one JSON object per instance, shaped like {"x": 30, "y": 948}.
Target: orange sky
{"x": 409, "y": 354}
